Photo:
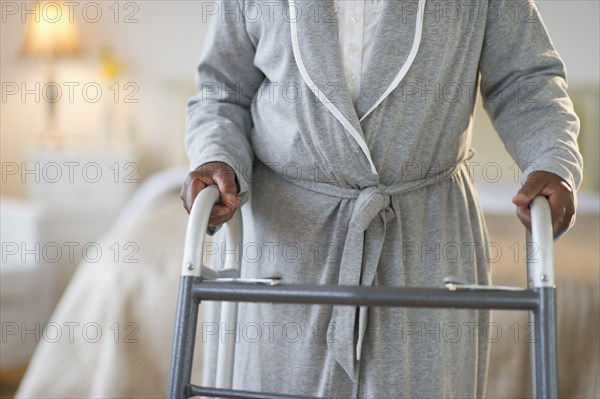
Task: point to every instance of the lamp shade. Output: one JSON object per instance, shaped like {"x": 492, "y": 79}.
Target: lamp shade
{"x": 51, "y": 34}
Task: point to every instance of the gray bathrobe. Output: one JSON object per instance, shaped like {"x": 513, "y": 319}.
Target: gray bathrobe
{"x": 374, "y": 194}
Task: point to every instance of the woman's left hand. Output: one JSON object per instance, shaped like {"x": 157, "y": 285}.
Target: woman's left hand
{"x": 560, "y": 196}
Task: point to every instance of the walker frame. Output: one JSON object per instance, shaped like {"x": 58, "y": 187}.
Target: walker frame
{"x": 200, "y": 283}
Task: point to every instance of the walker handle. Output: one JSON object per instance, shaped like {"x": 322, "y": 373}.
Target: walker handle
{"x": 540, "y": 245}
{"x": 196, "y": 229}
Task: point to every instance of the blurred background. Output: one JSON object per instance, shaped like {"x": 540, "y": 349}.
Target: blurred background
{"x": 93, "y": 102}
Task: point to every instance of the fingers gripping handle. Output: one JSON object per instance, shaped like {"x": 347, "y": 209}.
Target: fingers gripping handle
{"x": 540, "y": 257}
{"x": 196, "y": 229}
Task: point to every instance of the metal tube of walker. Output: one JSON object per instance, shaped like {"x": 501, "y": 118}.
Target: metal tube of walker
{"x": 540, "y": 269}
{"x": 187, "y": 307}
{"x": 229, "y": 310}
{"x": 192, "y": 266}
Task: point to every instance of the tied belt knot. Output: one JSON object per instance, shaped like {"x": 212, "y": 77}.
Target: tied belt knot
{"x": 360, "y": 256}
{"x": 359, "y": 261}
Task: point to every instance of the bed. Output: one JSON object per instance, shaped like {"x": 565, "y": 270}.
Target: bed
{"x": 131, "y": 304}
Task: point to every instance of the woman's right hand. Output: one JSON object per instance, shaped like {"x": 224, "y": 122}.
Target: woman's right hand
{"x": 221, "y": 175}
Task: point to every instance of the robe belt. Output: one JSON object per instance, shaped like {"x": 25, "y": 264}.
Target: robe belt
{"x": 362, "y": 250}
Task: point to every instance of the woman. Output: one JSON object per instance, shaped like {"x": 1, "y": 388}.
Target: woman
{"x": 343, "y": 128}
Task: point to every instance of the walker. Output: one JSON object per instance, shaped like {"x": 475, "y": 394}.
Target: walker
{"x": 200, "y": 283}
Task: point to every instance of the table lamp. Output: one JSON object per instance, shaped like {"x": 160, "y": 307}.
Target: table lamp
{"x": 49, "y": 36}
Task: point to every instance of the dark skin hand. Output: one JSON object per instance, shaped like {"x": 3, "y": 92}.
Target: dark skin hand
{"x": 559, "y": 194}
{"x": 223, "y": 176}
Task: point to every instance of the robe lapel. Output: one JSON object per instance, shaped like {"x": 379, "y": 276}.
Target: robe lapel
{"x": 320, "y": 54}
{"x": 392, "y": 43}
